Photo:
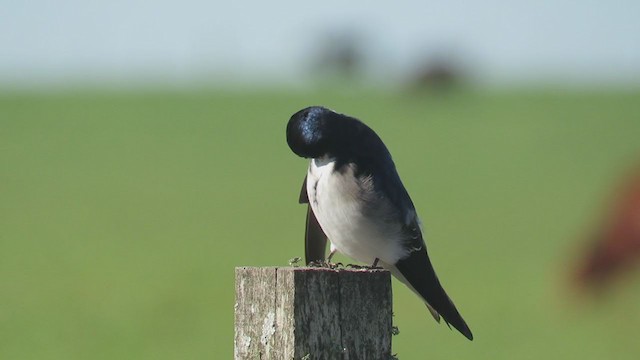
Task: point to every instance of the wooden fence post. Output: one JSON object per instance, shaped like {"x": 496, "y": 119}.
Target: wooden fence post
{"x": 312, "y": 313}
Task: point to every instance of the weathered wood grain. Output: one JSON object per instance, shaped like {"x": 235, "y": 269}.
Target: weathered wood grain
{"x": 312, "y": 313}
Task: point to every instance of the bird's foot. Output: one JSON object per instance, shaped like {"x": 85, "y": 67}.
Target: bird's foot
{"x": 325, "y": 264}
{"x": 363, "y": 267}
{"x": 355, "y": 266}
{"x": 374, "y": 266}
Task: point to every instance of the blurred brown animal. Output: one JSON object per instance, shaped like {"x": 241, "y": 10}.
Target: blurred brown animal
{"x": 615, "y": 248}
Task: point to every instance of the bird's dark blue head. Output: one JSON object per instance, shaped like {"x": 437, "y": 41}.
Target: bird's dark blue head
{"x": 311, "y": 132}
{"x": 317, "y": 131}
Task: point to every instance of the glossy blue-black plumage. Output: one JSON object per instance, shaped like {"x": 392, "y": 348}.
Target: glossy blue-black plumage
{"x": 316, "y": 132}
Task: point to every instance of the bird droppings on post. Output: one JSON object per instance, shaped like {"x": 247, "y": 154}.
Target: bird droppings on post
{"x": 242, "y": 343}
{"x": 268, "y": 328}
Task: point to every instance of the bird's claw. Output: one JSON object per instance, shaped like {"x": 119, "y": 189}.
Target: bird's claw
{"x": 364, "y": 267}
{"x": 325, "y": 264}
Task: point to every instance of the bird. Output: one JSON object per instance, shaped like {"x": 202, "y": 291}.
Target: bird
{"x": 358, "y": 203}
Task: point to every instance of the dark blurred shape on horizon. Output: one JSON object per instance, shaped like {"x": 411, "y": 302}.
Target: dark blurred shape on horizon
{"x": 614, "y": 248}
{"x": 438, "y": 72}
{"x": 345, "y": 55}
{"x": 339, "y": 54}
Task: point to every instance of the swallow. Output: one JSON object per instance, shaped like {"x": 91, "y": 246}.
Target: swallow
{"x": 358, "y": 203}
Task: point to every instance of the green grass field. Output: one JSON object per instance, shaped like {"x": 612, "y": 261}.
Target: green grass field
{"x": 123, "y": 215}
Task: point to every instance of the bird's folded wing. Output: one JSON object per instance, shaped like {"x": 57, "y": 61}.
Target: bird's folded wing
{"x": 315, "y": 240}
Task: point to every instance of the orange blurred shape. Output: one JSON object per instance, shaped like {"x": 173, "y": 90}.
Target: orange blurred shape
{"x": 615, "y": 249}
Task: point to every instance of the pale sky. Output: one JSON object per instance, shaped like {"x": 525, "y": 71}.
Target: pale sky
{"x": 44, "y": 41}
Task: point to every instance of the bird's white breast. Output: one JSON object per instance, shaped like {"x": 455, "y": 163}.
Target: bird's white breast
{"x": 357, "y": 225}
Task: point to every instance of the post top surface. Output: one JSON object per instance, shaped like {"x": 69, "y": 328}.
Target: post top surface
{"x": 315, "y": 269}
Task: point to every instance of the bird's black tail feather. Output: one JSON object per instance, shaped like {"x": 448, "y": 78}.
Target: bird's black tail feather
{"x": 419, "y": 273}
